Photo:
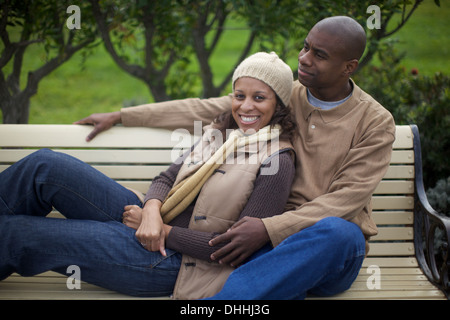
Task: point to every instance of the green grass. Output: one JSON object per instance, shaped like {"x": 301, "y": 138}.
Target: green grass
{"x": 425, "y": 39}
{"x": 74, "y": 91}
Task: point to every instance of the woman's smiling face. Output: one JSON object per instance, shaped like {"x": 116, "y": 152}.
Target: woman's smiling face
{"x": 253, "y": 104}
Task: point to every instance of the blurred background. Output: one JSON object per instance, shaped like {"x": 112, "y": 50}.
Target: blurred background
{"x": 60, "y": 64}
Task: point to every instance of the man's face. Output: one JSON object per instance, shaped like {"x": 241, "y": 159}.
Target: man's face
{"x": 320, "y": 62}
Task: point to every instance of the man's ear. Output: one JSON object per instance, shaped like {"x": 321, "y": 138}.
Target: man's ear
{"x": 351, "y": 67}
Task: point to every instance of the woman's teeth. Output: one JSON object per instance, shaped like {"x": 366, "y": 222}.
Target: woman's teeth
{"x": 249, "y": 119}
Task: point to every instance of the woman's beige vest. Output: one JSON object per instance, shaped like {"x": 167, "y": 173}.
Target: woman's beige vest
{"x": 218, "y": 206}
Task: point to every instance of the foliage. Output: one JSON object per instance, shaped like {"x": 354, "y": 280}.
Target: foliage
{"x": 169, "y": 45}
{"x": 439, "y": 199}
{"x": 166, "y": 33}
{"x": 414, "y": 98}
{"x": 439, "y": 196}
{"x": 24, "y": 23}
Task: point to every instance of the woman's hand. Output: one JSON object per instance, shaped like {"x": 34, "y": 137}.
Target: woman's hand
{"x": 132, "y": 216}
{"x": 151, "y": 232}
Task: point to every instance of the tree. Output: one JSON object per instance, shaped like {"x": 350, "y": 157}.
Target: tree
{"x": 24, "y": 23}
{"x": 166, "y": 34}
{"x": 144, "y": 38}
{"x": 159, "y": 42}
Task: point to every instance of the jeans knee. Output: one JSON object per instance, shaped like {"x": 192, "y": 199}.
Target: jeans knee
{"x": 39, "y": 157}
{"x": 44, "y": 155}
{"x": 342, "y": 232}
{"x": 46, "y": 162}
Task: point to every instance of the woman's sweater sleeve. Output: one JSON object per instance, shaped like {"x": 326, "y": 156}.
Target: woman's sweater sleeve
{"x": 163, "y": 183}
{"x": 268, "y": 198}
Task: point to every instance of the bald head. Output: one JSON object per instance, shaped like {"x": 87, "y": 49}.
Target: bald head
{"x": 348, "y": 32}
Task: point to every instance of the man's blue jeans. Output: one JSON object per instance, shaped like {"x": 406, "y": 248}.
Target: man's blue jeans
{"x": 323, "y": 259}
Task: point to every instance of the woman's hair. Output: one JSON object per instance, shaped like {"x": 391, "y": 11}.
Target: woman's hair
{"x": 282, "y": 116}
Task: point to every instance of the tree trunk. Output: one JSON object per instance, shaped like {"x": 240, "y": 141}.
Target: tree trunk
{"x": 15, "y": 110}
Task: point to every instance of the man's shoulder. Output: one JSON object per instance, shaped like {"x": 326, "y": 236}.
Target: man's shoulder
{"x": 374, "y": 112}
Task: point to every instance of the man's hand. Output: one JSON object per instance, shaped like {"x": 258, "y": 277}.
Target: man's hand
{"x": 101, "y": 122}
{"x": 246, "y": 237}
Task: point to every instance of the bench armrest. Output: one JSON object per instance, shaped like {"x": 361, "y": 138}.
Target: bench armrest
{"x": 426, "y": 222}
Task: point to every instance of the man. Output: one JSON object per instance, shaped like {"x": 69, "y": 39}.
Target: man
{"x": 345, "y": 140}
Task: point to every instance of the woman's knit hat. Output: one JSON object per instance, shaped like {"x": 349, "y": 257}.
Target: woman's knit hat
{"x": 270, "y": 69}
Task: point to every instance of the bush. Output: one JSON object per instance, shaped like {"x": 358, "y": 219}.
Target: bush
{"x": 439, "y": 196}
{"x": 414, "y": 98}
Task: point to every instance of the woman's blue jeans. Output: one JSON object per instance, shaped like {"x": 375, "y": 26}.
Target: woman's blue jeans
{"x": 92, "y": 237}
{"x": 323, "y": 259}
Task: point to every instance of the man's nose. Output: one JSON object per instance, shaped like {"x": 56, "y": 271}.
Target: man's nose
{"x": 304, "y": 58}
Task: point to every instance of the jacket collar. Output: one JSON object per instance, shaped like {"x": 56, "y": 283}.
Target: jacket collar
{"x": 333, "y": 114}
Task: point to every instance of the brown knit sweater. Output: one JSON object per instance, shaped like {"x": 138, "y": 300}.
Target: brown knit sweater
{"x": 269, "y": 198}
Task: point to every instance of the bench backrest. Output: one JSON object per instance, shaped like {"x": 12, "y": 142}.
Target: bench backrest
{"x": 133, "y": 156}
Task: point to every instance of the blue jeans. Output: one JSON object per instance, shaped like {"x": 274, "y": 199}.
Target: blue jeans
{"x": 321, "y": 260}
{"x": 92, "y": 237}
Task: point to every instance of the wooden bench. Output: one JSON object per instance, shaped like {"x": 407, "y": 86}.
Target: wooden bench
{"x": 400, "y": 264}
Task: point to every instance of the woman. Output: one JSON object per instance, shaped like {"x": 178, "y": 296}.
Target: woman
{"x": 112, "y": 254}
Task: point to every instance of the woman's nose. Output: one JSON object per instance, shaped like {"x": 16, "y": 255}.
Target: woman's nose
{"x": 247, "y": 105}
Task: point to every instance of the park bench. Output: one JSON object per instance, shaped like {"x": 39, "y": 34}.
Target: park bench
{"x": 400, "y": 264}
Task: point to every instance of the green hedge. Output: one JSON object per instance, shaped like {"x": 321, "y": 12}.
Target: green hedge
{"x": 414, "y": 98}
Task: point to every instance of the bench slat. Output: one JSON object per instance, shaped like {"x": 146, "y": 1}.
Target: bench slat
{"x": 394, "y": 234}
{"x": 395, "y": 187}
{"x": 74, "y": 136}
{"x": 392, "y": 202}
{"x": 391, "y": 249}
{"x": 126, "y": 172}
{"x": 391, "y": 262}
{"x": 392, "y": 217}
{"x": 138, "y": 156}
{"x": 402, "y": 156}
{"x": 388, "y": 294}
{"x": 403, "y": 137}
{"x": 397, "y": 271}
{"x": 101, "y": 156}
{"x": 399, "y": 172}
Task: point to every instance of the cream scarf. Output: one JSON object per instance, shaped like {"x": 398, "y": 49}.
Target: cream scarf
{"x": 181, "y": 195}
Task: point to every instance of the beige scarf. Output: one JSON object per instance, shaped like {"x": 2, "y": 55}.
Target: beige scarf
{"x": 181, "y": 195}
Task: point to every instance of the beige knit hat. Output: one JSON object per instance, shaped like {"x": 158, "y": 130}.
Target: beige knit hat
{"x": 270, "y": 69}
